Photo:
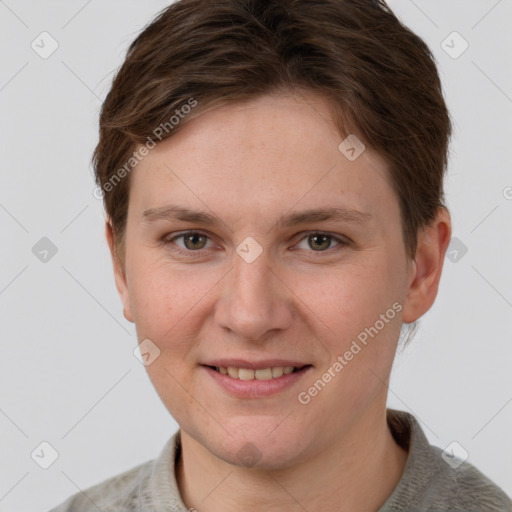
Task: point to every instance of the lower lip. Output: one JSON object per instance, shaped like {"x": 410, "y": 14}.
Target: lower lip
{"x": 256, "y": 388}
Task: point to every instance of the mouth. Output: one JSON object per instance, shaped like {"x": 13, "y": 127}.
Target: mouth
{"x": 244, "y": 379}
{"x": 269, "y": 373}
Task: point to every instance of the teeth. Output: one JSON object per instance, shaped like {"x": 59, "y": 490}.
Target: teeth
{"x": 278, "y": 371}
{"x": 245, "y": 374}
{"x": 233, "y": 372}
{"x": 262, "y": 374}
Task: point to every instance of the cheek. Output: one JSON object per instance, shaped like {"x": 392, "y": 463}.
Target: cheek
{"x": 351, "y": 297}
{"x": 166, "y": 302}
{"x": 171, "y": 304}
{"x": 357, "y": 308}
{"x": 164, "y": 295}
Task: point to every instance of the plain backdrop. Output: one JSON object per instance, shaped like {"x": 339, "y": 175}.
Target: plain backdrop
{"x": 68, "y": 376}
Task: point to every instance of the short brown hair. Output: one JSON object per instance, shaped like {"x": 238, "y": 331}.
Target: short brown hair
{"x": 380, "y": 79}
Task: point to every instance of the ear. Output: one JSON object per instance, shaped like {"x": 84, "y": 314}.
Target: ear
{"x": 119, "y": 272}
{"x": 425, "y": 270}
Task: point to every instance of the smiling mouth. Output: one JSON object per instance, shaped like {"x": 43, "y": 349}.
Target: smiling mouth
{"x": 274, "y": 372}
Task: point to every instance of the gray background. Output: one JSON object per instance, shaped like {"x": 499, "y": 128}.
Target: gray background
{"x": 67, "y": 369}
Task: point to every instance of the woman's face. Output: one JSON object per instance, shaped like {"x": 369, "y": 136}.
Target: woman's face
{"x": 262, "y": 285}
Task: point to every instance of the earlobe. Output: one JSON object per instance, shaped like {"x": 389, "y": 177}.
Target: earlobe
{"x": 119, "y": 272}
{"x": 426, "y": 269}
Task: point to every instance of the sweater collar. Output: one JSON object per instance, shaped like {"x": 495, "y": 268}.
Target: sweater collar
{"x": 420, "y": 468}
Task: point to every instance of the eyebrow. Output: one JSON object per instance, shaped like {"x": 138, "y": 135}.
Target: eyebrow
{"x": 170, "y": 212}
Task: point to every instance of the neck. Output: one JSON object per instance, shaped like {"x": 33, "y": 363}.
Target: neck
{"x": 358, "y": 473}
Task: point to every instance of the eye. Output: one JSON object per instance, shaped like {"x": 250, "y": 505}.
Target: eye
{"x": 321, "y": 242}
{"x": 193, "y": 241}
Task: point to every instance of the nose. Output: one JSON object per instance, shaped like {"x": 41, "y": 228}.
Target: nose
{"x": 254, "y": 303}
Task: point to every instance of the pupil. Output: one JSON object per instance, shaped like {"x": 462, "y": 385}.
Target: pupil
{"x": 193, "y": 238}
{"x": 316, "y": 237}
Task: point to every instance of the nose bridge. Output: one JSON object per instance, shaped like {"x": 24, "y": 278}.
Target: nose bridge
{"x": 253, "y": 302}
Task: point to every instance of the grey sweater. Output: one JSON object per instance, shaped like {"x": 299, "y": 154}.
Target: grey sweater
{"x": 427, "y": 484}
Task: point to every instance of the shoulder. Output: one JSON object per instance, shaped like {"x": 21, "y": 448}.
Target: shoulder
{"x": 467, "y": 488}
{"x": 430, "y": 482}
{"x": 121, "y": 493}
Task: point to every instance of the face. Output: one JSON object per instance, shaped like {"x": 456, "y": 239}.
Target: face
{"x": 262, "y": 280}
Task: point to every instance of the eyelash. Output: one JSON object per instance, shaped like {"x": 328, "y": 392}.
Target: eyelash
{"x": 189, "y": 253}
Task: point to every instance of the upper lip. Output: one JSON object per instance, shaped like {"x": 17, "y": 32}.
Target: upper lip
{"x": 254, "y": 365}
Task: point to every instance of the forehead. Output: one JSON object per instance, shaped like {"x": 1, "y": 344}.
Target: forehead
{"x": 267, "y": 154}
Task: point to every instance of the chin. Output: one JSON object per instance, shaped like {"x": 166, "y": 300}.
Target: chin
{"x": 258, "y": 444}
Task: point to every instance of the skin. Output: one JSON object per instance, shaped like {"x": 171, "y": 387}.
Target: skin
{"x": 249, "y": 164}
